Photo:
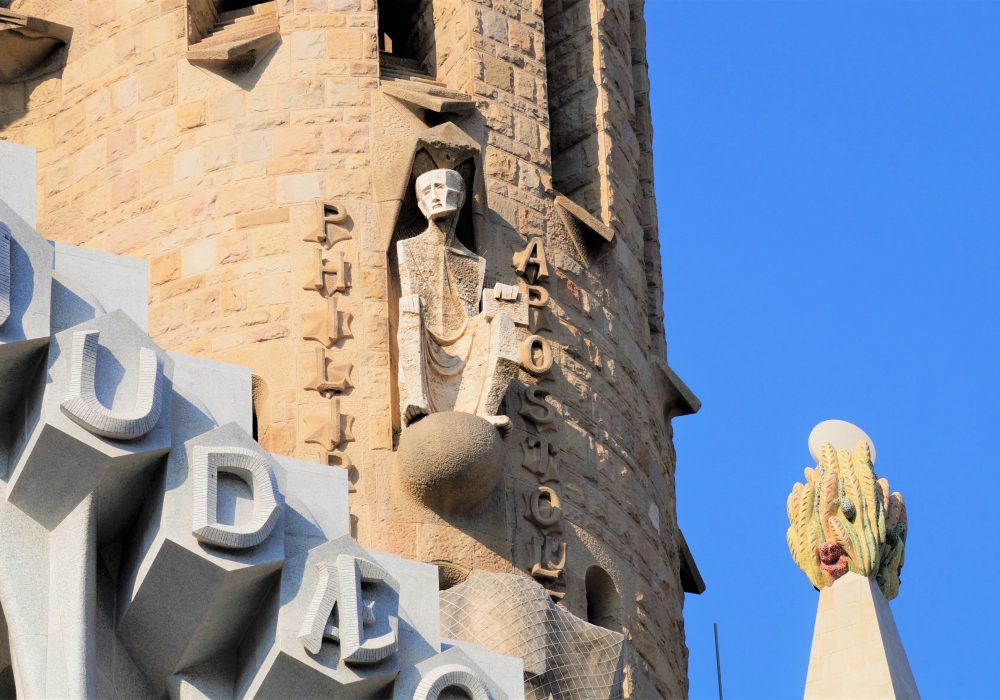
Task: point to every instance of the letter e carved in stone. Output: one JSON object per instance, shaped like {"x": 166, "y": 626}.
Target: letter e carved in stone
{"x": 83, "y": 407}
{"x": 253, "y": 469}
{"x": 339, "y": 594}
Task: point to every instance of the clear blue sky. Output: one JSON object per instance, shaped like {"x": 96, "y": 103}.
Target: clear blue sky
{"x": 828, "y": 182}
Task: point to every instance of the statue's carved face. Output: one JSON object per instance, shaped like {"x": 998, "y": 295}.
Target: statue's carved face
{"x": 440, "y": 193}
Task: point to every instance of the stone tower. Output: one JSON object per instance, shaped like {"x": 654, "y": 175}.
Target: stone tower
{"x": 265, "y": 157}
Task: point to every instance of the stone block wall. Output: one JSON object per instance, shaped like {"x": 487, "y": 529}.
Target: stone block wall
{"x": 218, "y": 178}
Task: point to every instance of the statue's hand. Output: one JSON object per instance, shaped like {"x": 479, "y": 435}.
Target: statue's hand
{"x": 505, "y": 292}
{"x": 414, "y": 411}
{"x": 409, "y": 304}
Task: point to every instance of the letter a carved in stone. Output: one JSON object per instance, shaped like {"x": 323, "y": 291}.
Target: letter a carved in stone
{"x": 339, "y": 594}
{"x": 253, "y": 469}
{"x": 83, "y": 407}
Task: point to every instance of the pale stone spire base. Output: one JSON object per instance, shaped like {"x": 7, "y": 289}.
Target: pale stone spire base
{"x": 856, "y": 649}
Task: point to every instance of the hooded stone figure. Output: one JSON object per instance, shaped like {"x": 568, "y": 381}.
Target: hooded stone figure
{"x": 452, "y": 356}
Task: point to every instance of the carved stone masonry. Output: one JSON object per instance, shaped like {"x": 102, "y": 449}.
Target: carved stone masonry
{"x": 540, "y": 458}
{"x": 330, "y": 231}
{"x": 543, "y": 509}
{"x": 253, "y": 469}
{"x": 320, "y": 271}
{"x": 327, "y": 326}
{"x": 538, "y": 411}
{"x": 339, "y": 593}
{"x": 83, "y": 407}
{"x": 328, "y": 428}
{"x": 544, "y": 546}
{"x": 327, "y": 377}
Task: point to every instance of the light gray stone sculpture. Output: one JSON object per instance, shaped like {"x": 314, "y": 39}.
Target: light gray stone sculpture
{"x": 451, "y": 670}
{"x": 112, "y": 468}
{"x": 152, "y": 548}
{"x": 452, "y": 356}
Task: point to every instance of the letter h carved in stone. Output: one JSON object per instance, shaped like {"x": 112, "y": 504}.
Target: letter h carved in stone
{"x": 340, "y": 595}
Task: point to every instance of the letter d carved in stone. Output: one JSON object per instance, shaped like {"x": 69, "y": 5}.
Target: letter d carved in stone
{"x": 253, "y": 469}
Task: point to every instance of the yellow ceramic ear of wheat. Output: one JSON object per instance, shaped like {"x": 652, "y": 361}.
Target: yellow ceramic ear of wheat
{"x": 844, "y": 503}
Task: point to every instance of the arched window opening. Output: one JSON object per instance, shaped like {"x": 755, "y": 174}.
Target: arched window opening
{"x": 603, "y": 600}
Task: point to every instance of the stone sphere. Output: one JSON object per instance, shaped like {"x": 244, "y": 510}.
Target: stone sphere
{"x": 449, "y": 461}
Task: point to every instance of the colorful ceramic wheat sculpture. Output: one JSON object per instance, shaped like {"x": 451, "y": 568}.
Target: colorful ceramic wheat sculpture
{"x": 844, "y": 519}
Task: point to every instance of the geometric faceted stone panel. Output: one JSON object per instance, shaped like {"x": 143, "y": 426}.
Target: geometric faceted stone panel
{"x": 100, "y": 424}
{"x": 330, "y": 629}
{"x": 185, "y": 598}
{"x": 25, "y": 297}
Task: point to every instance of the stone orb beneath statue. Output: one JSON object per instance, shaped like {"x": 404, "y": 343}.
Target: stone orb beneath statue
{"x": 449, "y": 461}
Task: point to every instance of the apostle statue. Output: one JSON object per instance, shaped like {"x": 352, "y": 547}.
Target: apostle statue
{"x": 452, "y": 355}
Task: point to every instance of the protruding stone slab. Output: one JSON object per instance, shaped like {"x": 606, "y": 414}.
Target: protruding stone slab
{"x": 25, "y": 300}
{"x": 856, "y": 649}
{"x": 66, "y": 446}
{"x": 279, "y": 662}
{"x": 25, "y": 43}
{"x": 183, "y": 600}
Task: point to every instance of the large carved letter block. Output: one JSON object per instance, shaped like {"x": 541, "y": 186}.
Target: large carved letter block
{"x": 25, "y": 299}
{"x": 331, "y": 629}
{"x": 340, "y": 590}
{"x": 226, "y": 547}
{"x": 451, "y": 673}
{"x": 100, "y": 425}
{"x": 253, "y": 468}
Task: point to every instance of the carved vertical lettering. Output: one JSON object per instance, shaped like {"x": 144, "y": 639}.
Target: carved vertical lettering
{"x": 328, "y": 377}
{"x": 540, "y": 458}
{"x": 530, "y": 262}
{"x": 536, "y": 354}
{"x": 538, "y": 410}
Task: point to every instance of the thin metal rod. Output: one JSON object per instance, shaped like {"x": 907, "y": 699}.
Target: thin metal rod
{"x": 718, "y": 663}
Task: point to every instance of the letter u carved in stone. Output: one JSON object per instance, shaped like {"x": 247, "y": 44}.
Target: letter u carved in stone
{"x": 340, "y": 585}
{"x": 4, "y": 273}
{"x": 253, "y": 469}
{"x": 450, "y": 676}
{"x": 83, "y": 407}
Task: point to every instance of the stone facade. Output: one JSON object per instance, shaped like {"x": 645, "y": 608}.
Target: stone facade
{"x": 263, "y": 163}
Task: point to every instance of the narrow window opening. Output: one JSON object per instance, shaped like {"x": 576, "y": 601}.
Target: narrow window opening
{"x": 259, "y": 416}
{"x": 406, "y": 38}
{"x": 603, "y": 601}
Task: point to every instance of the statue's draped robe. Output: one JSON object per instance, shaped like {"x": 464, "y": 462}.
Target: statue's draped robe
{"x": 454, "y": 335}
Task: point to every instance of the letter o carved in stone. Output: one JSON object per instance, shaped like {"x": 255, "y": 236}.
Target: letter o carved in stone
{"x": 536, "y": 354}
{"x": 544, "y": 507}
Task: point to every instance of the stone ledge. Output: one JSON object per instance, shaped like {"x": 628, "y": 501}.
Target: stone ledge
{"x": 25, "y": 44}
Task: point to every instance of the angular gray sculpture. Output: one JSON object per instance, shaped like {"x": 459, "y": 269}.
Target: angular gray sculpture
{"x": 152, "y": 548}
